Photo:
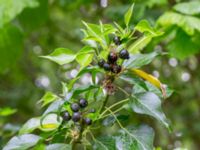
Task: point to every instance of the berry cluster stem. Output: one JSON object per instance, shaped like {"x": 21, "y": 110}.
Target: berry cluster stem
{"x": 104, "y": 103}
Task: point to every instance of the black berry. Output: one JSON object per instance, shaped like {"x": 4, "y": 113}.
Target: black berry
{"x": 87, "y": 121}
{"x": 107, "y": 67}
{"x": 116, "y": 68}
{"x": 83, "y": 103}
{"x": 101, "y": 62}
{"x": 112, "y": 57}
{"x": 92, "y": 110}
{"x": 116, "y": 40}
{"x": 76, "y": 116}
{"x": 66, "y": 116}
{"x": 75, "y": 107}
{"x": 124, "y": 54}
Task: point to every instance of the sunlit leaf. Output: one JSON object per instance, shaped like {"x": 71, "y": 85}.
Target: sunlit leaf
{"x": 61, "y": 56}
{"x": 139, "y": 60}
{"x": 22, "y": 142}
{"x": 189, "y": 8}
{"x": 7, "y": 111}
{"x": 49, "y": 97}
{"x": 128, "y": 15}
{"x": 11, "y": 8}
{"x": 30, "y": 125}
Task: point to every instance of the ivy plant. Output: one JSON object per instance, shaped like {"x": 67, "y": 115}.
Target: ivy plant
{"x": 74, "y": 118}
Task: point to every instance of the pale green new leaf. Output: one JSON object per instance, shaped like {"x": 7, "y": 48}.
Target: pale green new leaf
{"x": 139, "y": 44}
{"x": 9, "y": 9}
{"x": 6, "y": 111}
{"x": 135, "y": 138}
{"x": 150, "y": 104}
{"x": 22, "y": 142}
{"x": 144, "y": 26}
{"x": 48, "y": 98}
{"x": 189, "y": 8}
{"x": 128, "y": 15}
{"x": 61, "y": 56}
{"x": 84, "y": 59}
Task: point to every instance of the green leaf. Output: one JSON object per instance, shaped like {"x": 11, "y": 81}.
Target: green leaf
{"x": 84, "y": 59}
{"x": 22, "y": 142}
{"x": 9, "y": 36}
{"x": 150, "y": 104}
{"x": 7, "y": 111}
{"x": 189, "y": 24}
{"x": 188, "y": 8}
{"x": 61, "y": 56}
{"x": 144, "y": 26}
{"x": 105, "y": 143}
{"x": 128, "y": 15}
{"x": 58, "y": 147}
{"x": 139, "y": 44}
{"x": 30, "y": 126}
{"x": 48, "y": 98}
{"x": 54, "y": 107}
{"x": 50, "y": 122}
{"x": 11, "y": 8}
{"x": 139, "y": 60}
{"x": 136, "y": 138}
{"x": 179, "y": 48}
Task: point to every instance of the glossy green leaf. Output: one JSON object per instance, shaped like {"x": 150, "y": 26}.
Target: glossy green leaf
{"x": 7, "y": 111}
{"x": 61, "y": 56}
{"x": 9, "y": 9}
{"x": 22, "y": 142}
{"x": 30, "y": 126}
{"x": 140, "y": 44}
{"x": 84, "y": 59}
{"x": 136, "y": 138}
{"x": 58, "y": 147}
{"x": 54, "y": 107}
{"x": 139, "y": 60}
{"x": 128, "y": 15}
{"x": 150, "y": 104}
{"x": 49, "y": 97}
{"x": 189, "y": 8}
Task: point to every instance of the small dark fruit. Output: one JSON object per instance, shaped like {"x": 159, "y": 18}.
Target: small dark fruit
{"x": 75, "y": 107}
{"x": 112, "y": 57}
{"x": 87, "y": 121}
{"x": 116, "y": 69}
{"x": 101, "y": 62}
{"x": 116, "y": 40}
{"x": 107, "y": 67}
{"x": 76, "y": 116}
{"x": 124, "y": 54}
{"x": 83, "y": 103}
{"x": 92, "y": 110}
{"x": 66, "y": 116}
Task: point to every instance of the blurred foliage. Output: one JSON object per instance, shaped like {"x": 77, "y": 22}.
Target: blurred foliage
{"x": 31, "y": 28}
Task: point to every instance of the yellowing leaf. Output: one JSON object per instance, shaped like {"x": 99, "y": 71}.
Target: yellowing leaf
{"x": 49, "y": 126}
{"x": 153, "y": 80}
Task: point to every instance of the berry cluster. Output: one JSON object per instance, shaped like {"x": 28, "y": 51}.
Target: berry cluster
{"x": 77, "y": 115}
{"x": 111, "y": 63}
